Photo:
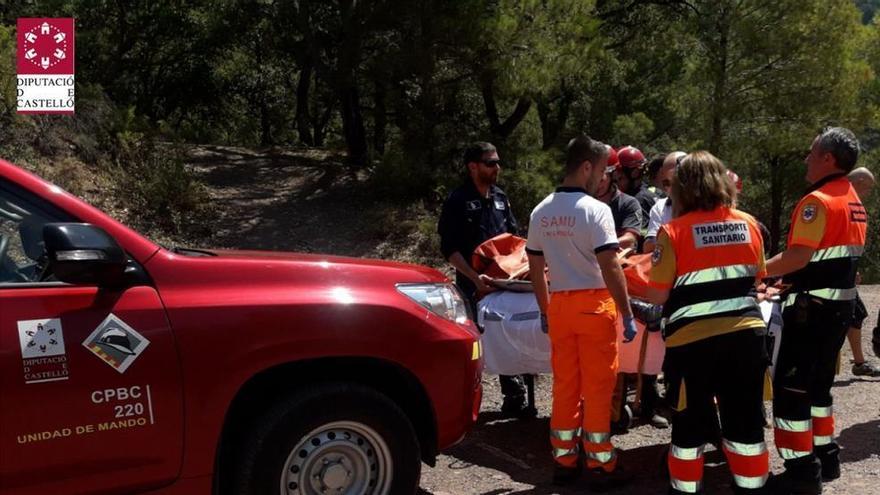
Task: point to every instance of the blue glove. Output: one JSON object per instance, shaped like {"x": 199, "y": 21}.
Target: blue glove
{"x": 629, "y": 329}
{"x": 544, "y": 327}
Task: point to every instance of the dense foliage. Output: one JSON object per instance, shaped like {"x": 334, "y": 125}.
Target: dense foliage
{"x": 403, "y": 86}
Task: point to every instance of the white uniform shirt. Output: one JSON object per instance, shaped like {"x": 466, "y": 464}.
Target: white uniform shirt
{"x": 569, "y": 228}
{"x": 661, "y": 214}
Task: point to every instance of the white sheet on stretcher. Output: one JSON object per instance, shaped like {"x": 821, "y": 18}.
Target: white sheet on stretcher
{"x": 772, "y": 313}
{"x": 514, "y": 344}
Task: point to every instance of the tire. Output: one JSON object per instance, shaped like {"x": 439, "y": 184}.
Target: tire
{"x": 347, "y": 438}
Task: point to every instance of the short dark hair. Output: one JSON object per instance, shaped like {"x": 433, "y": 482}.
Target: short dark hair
{"x": 655, "y": 165}
{"x": 581, "y": 149}
{"x": 475, "y": 152}
{"x": 842, "y": 144}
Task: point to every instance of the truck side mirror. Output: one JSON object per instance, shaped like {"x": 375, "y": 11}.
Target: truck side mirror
{"x": 83, "y": 254}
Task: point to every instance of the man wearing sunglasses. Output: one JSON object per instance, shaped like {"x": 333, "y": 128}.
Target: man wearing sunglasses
{"x": 475, "y": 212}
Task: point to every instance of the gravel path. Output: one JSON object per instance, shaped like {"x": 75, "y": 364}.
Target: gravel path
{"x": 503, "y": 456}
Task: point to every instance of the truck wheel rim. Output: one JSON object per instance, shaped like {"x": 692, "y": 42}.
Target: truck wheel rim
{"x": 339, "y": 458}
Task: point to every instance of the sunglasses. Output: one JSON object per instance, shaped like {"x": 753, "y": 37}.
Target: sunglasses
{"x": 679, "y": 160}
{"x": 491, "y": 163}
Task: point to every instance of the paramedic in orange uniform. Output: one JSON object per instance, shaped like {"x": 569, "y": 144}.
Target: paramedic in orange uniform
{"x": 705, "y": 266}
{"x": 573, "y": 233}
{"x": 825, "y": 241}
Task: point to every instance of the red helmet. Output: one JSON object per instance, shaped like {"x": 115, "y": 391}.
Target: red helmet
{"x": 737, "y": 181}
{"x": 630, "y": 157}
{"x": 613, "y": 161}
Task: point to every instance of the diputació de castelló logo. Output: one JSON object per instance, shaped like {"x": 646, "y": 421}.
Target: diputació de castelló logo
{"x": 45, "y": 63}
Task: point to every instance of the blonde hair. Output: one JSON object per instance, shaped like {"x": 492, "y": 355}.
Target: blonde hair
{"x": 701, "y": 183}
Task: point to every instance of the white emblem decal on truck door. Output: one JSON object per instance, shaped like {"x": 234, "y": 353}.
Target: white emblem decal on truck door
{"x": 42, "y": 350}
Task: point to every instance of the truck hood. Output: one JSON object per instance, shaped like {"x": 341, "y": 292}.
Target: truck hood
{"x": 274, "y": 264}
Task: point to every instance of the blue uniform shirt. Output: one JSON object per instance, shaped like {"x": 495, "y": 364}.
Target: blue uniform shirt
{"x": 468, "y": 219}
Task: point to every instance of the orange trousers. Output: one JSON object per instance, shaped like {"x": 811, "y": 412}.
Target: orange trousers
{"x": 583, "y": 341}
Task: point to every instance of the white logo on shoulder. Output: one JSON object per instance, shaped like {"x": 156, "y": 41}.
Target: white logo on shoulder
{"x": 499, "y": 205}
{"x": 608, "y": 227}
{"x": 809, "y": 213}
{"x": 721, "y": 234}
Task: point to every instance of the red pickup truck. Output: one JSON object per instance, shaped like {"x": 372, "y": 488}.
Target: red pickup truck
{"x": 126, "y": 367}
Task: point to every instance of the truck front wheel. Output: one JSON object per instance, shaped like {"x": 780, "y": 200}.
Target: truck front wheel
{"x": 340, "y": 439}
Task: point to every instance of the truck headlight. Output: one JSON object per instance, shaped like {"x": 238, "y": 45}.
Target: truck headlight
{"x": 443, "y": 300}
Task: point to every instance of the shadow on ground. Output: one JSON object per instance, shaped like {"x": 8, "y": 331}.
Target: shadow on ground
{"x": 859, "y": 442}
{"x": 521, "y": 450}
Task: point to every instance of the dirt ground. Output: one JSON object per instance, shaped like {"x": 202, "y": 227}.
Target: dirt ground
{"x": 503, "y": 456}
{"x": 306, "y": 201}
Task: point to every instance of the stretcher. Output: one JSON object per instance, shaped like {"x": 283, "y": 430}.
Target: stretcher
{"x": 513, "y": 343}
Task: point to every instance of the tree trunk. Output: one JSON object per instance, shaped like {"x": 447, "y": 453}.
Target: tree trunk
{"x": 265, "y": 123}
{"x": 380, "y": 118}
{"x": 320, "y": 124}
{"x": 303, "y": 119}
{"x": 777, "y": 177}
{"x": 502, "y": 130}
{"x": 345, "y": 83}
{"x": 551, "y": 126}
{"x": 353, "y": 125}
{"x": 720, "y": 89}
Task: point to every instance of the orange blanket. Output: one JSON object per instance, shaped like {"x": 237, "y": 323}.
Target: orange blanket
{"x": 504, "y": 257}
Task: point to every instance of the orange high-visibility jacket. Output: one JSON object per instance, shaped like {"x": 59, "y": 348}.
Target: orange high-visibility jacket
{"x": 831, "y": 219}
{"x": 717, "y": 256}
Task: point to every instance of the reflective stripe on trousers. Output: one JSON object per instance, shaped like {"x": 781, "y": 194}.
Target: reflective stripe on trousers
{"x": 823, "y": 425}
{"x": 749, "y": 463}
{"x": 686, "y": 486}
{"x": 598, "y": 448}
{"x": 566, "y": 435}
{"x": 753, "y": 482}
{"x": 686, "y": 468}
{"x": 565, "y": 444}
{"x": 687, "y": 454}
{"x": 794, "y": 438}
{"x": 597, "y": 437}
{"x": 601, "y": 457}
{"x": 559, "y": 453}
{"x": 744, "y": 449}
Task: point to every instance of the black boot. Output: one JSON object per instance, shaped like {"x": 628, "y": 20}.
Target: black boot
{"x": 829, "y": 456}
{"x": 601, "y": 481}
{"x": 801, "y": 477}
{"x": 673, "y": 491}
{"x": 565, "y": 475}
{"x": 764, "y": 490}
{"x": 650, "y": 400}
{"x": 514, "y": 391}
